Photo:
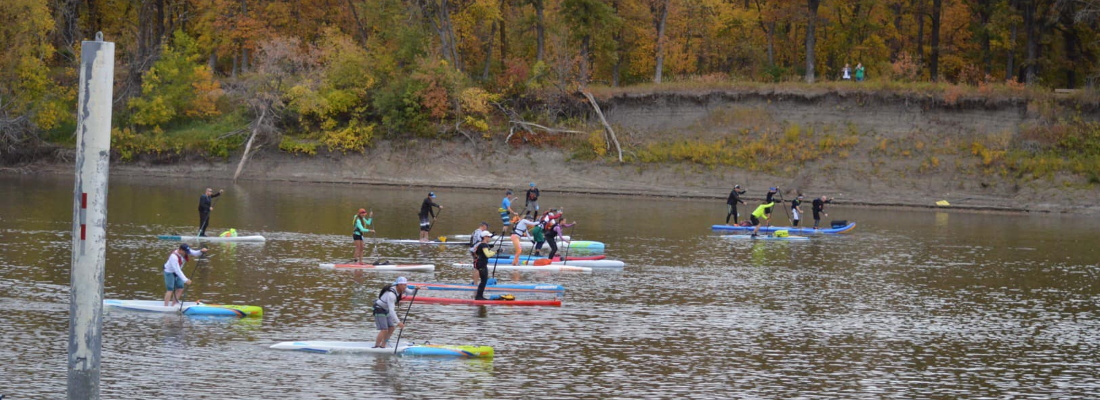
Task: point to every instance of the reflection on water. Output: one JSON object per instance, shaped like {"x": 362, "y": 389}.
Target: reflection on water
{"x": 913, "y": 304}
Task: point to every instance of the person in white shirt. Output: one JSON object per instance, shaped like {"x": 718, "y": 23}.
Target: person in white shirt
{"x": 385, "y": 310}
{"x": 521, "y": 229}
{"x": 174, "y": 279}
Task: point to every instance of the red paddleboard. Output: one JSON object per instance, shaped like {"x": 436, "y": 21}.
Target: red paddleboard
{"x": 446, "y": 300}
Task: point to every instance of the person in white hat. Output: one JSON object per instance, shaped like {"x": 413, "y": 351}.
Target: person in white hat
{"x": 385, "y": 310}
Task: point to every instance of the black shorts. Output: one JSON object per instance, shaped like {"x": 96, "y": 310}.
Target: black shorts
{"x": 755, "y": 221}
{"x": 356, "y": 236}
{"x": 425, "y": 224}
{"x": 817, "y": 217}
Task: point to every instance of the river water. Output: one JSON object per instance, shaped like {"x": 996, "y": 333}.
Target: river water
{"x": 911, "y": 304}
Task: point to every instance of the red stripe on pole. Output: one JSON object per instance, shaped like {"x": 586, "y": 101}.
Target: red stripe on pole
{"x": 82, "y": 231}
{"x": 84, "y": 200}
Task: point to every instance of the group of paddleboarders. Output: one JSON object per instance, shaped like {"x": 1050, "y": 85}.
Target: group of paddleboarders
{"x": 764, "y": 209}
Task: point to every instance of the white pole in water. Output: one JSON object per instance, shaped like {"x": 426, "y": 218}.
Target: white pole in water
{"x": 93, "y": 156}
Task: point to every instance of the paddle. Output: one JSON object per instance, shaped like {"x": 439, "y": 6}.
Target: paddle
{"x": 789, "y": 220}
{"x": 565, "y": 258}
{"x": 374, "y": 249}
{"x": 184, "y": 293}
{"x": 437, "y": 214}
{"x": 407, "y": 311}
{"x": 497, "y": 259}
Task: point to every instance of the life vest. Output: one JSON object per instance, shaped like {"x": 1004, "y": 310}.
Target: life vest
{"x": 232, "y": 232}
{"x": 379, "y": 306}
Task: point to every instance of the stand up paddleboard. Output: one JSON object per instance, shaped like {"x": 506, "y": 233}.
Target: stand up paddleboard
{"x": 325, "y": 347}
{"x": 254, "y": 239}
{"x": 189, "y": 308}
{"x": 382, "y": 268}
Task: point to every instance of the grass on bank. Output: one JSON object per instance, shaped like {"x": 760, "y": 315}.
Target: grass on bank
{"x": 216, "y": 137}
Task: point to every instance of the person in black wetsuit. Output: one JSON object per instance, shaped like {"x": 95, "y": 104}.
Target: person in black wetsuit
{"x": 425, "y": 211}
{"x": 819, "y": 209}
{"x": 483, "y": 251}
{"x": 731, "y": 204}
{"x": 768, "y": 198}
{"x": 206, "y": 205}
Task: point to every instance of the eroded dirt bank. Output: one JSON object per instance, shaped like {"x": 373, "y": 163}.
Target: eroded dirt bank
{"x": 904, "y": 152}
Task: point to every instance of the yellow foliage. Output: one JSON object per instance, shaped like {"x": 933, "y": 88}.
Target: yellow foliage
{"x": 475, "y": 100}
{"x": 354, "y": 137}
{"x": 598, "y": 143}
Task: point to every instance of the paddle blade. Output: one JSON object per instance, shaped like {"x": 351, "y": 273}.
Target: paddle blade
{"x": 443, "y": 239}
{"x": 542, "y": 261}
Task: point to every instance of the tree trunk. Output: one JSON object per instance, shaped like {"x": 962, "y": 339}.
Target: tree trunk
{"x": 1010, "y": 68}
{"x": 606, "y": 126}
{"x": 661, "y": 19}
{"x": 985, "y": 14}
{"x": 934, "y": 58}
{"x": 896, "y": 42}
{"x": 359, "y": 24}
{"x": 248, "y": 147}
{"x": 1072, "y": 55}
{"x": 158, "y": 24}
{"x": 586, "y": 63}
{"x": 811, "y": 23}
{"x": 503, "y": 35}
{"x": 771, "y": 44}
{"x": 1031, "y": 29}
{"x": 212, "y": 62}
{"x": 919, "y": 8}
{"x": 489, "y": 51}
{"x": 540, "y": 31}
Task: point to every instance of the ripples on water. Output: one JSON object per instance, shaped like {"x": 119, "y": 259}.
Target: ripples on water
{"x": 910, "y": 305}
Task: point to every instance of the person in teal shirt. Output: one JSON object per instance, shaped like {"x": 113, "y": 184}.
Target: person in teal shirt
{"x": 361, "y": 223}
{"x": 859, "y": 72}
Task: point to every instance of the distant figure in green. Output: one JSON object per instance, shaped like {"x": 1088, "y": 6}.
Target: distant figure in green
{"x": 859, "y": 72}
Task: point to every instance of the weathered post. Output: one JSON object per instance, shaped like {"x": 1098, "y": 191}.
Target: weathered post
{"x": 93, "y": 146}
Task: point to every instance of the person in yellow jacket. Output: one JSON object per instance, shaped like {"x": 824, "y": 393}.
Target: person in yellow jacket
{"x": 761, "y": 212}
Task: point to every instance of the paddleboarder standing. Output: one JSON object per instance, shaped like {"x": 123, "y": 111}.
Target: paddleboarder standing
{"x": 770, "y": 197}
{"x": 174, "y": 279}
{"x": 475, "y": 241}
{"x": 522, "y": 226}
{"x": 819, "y": 209}
{"x": 731, "y": 204}
{"x": 385, "y": 310}
{"x": 425, "y": 211}
{"x": 206, "y": 205}
{"x": 761, "y": 212}
{"x": 796, "y": 210}
{"x": 553, "y": 233}
{"x": 506, "y": 211}
{"x": 531, "y": 203}
{"x": 361, "y": 225}
{"x": 483, "y": 252}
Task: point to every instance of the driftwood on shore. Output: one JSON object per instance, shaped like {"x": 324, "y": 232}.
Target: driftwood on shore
{"x": 248, "y": 147}
{"x": 515, "y": 120}
{"x": 610, "y": 132}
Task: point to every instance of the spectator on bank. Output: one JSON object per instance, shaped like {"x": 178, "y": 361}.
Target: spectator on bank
{"x": 846, "y": 72}
{"x": 859, "y": 72}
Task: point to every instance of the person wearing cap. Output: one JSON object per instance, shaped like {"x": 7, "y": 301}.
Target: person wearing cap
{"x": 768, "y": 199}
{"x": 818, "y": 207}
{"x": 483, "y": 251}
{"x": 206, "y": 205}
{"x": 475, "y": 239}
{"x": 174, "y": 279}
{"x": 361, "y": 223}
{"x": 796, "y": 210}
{"x": 761, "y": 212}
{"x": 425, "y": 211}
{"x": 506, "y": 211}
{"x": 731, "y": 204}
{"x": 531, "y": 203}
{"x": 385, "y": 310}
